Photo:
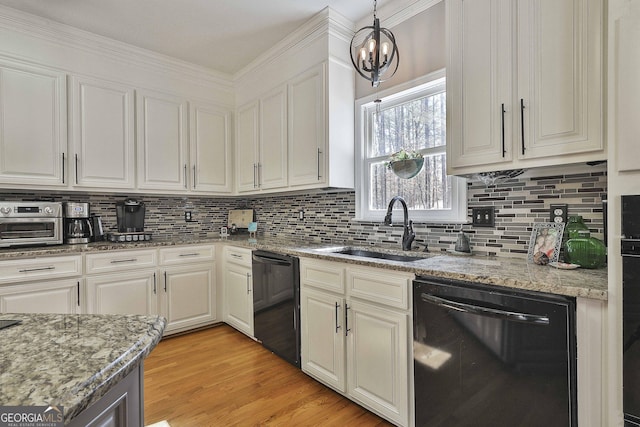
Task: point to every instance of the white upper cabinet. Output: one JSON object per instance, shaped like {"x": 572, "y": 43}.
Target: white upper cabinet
{"x": 272, "y": 164}
{"x": 102, "y": 134}
{"x": 524, "y": 83}
{"x": 261, "y": 146}
{"x": 247, "y": 128}
{"x": 33, "y": 125}
{"x": 210, "y": 148}
{"x": 161, "y": 122}
{"x": 307, "y": 127}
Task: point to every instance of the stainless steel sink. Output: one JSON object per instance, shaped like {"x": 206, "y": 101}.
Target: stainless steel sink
{"x": 379, "y": 255}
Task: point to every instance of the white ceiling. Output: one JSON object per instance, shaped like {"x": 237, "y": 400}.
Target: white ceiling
{"x": 224, "y": 35}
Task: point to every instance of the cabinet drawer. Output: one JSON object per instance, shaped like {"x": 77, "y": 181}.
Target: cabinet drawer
{"x": 386, "y": 287}
{"x": 119, "y": 261}
{"x": 186, "y": 254}
{"x": 240, "y": 256}
{"x": 322, "y": 274}
{"x": 23, "y": 270}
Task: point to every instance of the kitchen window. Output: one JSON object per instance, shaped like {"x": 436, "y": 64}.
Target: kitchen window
{"x": 412, "y": 117}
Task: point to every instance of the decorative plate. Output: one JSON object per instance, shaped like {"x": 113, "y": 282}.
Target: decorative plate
{"x": 564, "y": 265}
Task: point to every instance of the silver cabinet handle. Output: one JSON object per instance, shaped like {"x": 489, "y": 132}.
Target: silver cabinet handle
{"x": 154, "y": 283}
{"x": 63, "y": 168}
{"x": 346, "y": 319}
{"x": 522, "y": 123}
{"x": 185, "y": 175}
{"x": 337, "y": 326}
{"x": 117, "y": 261}
{"x": 29, "y": 270}
{"x": 236, "y": 256}
{"x": 194, "y": 176}
{"x": 78, "y": 288}
{"x": 248, "y": 283}
{"x": 190, "y": 254}
{"x": 76, "y": 168}
{"x": 259, "y": 175}
{"x": 504, "y": 151}
{"x": 255, "y": 171}
{"x": 165, "y": 282}
{"x": 319, "y": 153}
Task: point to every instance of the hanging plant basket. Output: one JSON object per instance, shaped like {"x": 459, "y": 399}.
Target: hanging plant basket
{"x": 406, "y": 164}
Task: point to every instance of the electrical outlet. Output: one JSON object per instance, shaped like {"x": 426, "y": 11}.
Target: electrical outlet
{"x": 301, "y": 214}
{"x": 484, "y": 217}
{"x": 187, "y": 216}
{"x": 558, "y": 213}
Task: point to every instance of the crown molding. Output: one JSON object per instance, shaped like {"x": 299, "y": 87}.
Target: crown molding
{"x": 326, "y": 21}
{"x": 397, "y": 12}
{"x": 51, "y": 31}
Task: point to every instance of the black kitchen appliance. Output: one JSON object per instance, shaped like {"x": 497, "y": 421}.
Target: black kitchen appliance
{"x": 77, "y": 224}
{"x": 630, "y": 250}
{"x": 490, "y": 356}
{"x": 130, "y": 216}
{"x": 276, "y": 304}
{"x": 97, "y": 229}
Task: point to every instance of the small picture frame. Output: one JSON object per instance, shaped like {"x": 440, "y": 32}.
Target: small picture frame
{"x": 546, "y": 238}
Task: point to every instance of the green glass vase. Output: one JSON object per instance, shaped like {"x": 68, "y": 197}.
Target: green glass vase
{"x": 574, "y": 226}
{"x": 586, "y": 251}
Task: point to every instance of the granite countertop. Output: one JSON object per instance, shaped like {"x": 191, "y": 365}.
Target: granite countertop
{"x": 71, "y": 359}
{"x": 500, "y": 271}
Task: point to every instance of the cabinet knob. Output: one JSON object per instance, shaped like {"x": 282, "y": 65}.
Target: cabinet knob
{"x": 5, "y": 210}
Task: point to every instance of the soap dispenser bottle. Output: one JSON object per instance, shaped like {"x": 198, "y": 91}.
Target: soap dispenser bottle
{"x": 462, "y": 244}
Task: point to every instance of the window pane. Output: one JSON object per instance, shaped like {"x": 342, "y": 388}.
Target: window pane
{"x": 413, "y": 125}
{"x": 429, "y": 190}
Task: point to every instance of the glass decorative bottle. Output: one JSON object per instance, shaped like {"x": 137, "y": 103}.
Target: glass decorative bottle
{"x": 574, "y": 225}
{"x": 586, "y": 251}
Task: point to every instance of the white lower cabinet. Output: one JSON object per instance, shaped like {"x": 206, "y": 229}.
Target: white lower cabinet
{"x": 123, "y": 293}
{"x": 188, "y": 296}
{"x": 357, "y": 340}
{"x": 238, "y": 288}
{"x": 42, "y": 285}
{"x": 177, "y": 282}
{"x": 56, "y": 296}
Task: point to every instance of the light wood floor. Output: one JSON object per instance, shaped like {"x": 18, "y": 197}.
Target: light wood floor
{"x": 219, "y": 377}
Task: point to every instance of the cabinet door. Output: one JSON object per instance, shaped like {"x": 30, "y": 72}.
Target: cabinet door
{"x": 188, "y": 296}
{"x": 377, "y": 360}
{"x": 272, "y": 168}
{"x": 322, "y": 337}
{"x": 102, "y": 133}
{"x": 479, "y": 82}
{"x": 124, "y": 293}
{"x": 59, "y": 296}
{"x": 210, "y": 149}
{"x": 238, "y": 300}
{"x": 307, "y": 128}
{"x": 246, "y": 146}
{"x": 33, "y": 125}
{"x": 560, "y": 76}
{"x": 161, "y": 122}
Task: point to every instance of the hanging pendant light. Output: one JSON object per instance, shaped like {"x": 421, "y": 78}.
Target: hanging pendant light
{"x": 374, "y": 52}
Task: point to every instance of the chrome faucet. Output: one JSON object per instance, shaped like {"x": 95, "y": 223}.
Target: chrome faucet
{"x": 408, "y": 235}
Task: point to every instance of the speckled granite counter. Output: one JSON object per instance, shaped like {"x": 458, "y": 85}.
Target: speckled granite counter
{"x": 509, "y": 272}
{"x": 71, "y": 360}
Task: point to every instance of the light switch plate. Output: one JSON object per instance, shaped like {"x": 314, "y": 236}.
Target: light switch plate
{"x": 484, "y": 217}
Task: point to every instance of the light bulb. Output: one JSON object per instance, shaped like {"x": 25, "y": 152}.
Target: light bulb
{"x": 363, "y": 53}
{"x": 385, "y": 48}
{"x": 372, "y": 45}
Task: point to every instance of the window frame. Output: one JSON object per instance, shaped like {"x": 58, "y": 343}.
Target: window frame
{"x": 432, "y": 83}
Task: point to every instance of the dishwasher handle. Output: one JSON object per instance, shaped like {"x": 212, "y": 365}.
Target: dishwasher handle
{"x": 486, "y": 311}
{"x": 268, "y": 260}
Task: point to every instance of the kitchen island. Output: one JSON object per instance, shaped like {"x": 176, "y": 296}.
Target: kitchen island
{"x": 89, "y": 364}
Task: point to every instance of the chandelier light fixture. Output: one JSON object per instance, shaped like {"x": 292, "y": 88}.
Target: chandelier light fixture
{"x": 374, "y": 52}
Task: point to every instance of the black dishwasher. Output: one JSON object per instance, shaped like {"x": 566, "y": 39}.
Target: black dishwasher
{"x": 491, "y": 356}
{"x": 276, "y": 303}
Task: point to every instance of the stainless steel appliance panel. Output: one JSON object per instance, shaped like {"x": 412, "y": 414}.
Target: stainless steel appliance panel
{"x": 276, "y": 304}
{"x": 487, "y": 356}
{"x": 30, "y": 223}
{"x": 630, "y": 250}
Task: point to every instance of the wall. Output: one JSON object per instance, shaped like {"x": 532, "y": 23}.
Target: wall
{"x": 421, "y": 43}
{"x": 329, "y": 216}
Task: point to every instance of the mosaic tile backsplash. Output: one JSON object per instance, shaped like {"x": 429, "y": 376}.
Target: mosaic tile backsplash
{"x": 328, "y": 216}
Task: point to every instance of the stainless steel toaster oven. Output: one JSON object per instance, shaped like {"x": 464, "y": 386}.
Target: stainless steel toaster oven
{"x": 30, "y": 223}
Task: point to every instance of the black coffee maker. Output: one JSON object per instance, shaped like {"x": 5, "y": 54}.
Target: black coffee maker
{"x": 130, "y": 215}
